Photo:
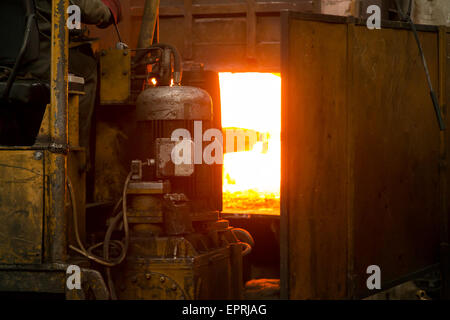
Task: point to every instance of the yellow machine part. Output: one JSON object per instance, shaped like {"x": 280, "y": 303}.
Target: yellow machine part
{"x": 22, "y": 206}
{"x": 115, "y": 67}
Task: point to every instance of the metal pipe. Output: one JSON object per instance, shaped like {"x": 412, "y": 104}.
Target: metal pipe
{"x": 59, "y": 71}
{"x": 177, "y": 65}
{"x": 433, "y": 95}
{"x": 57, "y": 164}
{"x": 149, "y": 18}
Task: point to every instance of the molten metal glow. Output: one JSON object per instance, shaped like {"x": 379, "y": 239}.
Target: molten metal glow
{"x": 251, "y": 179}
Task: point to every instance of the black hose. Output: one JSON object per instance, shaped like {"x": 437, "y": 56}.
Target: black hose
{"x": 89, "y": 253}
{"x": 176, "y": 60}
{"x": 177, "y": 65}
{"x": 244, "y": 235}
{"x": 106, "y": 243}
{"x": 12, "y": 76}
{"x": 245, "y": 238}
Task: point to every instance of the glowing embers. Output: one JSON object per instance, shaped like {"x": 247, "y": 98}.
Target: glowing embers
{"x": 251, "y": 108}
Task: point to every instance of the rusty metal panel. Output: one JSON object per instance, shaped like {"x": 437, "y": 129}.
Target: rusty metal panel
{"x": 21, "y": 206}
{"x": 360, "y": 156}
{"x": 225, "y": 35}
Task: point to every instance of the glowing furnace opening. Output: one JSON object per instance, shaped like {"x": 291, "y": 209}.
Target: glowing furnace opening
{"x": 251, "y": 107}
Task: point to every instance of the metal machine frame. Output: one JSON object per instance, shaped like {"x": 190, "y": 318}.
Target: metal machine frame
{"x": 40, "y": 175}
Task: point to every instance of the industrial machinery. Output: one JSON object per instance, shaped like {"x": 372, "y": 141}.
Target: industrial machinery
{"x": 363, "y": 161}
{"x": 164, "y": 238}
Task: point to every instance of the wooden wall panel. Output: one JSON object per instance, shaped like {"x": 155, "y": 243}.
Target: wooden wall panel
{"x": 314, "y": 155}
{"x": 361, "y": 177}
{"x": 395, "y": 154}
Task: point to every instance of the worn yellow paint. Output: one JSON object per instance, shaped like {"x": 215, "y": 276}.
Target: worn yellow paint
{"x": 56, "y": 162}
{"x": 73, "y": 122}
{"x": 44, "y": 130}
{"x": 21, "y": 206}
{"x": 187, "y": 275}
{"x": 115, "y": 76}
{"x": 59, "y": 72}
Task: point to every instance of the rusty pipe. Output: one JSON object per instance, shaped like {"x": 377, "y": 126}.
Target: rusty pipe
{"x": 149, "y": 18}
{"x": 59, "y": 74}
{"x": 56, "y": 219}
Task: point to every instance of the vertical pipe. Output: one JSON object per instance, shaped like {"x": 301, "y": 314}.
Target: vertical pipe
{"x": 151, "y": 11}
{"x": 56, "y": 218}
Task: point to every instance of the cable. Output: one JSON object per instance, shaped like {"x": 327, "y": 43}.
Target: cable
{"x": 12, "y": 75}
{"x": 117, "y": 31}
{"x": 113, "y": 222}
{"x": 409, "y": 8}
{"x": 247, "y": 242}
{"x": 434, "y": 99}
{"x": 122, "y": 245}
{"x": 120, "y": 45}
{"x": 247, "y": 250}
{"x": 244, "y": 236}
{"x": 177, "y": 61}
{"x": 106, "y": 252}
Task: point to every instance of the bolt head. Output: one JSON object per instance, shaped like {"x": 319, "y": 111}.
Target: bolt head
{"x": 38, "y": 155}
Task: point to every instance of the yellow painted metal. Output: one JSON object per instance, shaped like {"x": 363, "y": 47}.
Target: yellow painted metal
{"x": 59, "y": 72}
{"x": 33, "y": 214}
{"x": 21, "y": 206}
{"x": 73, "y": 122}
{"x": 56, "y": 221}
{"x": 33, "y": 194}
{"x": 186, "y": 275}
{"x": 115, "y": 76}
